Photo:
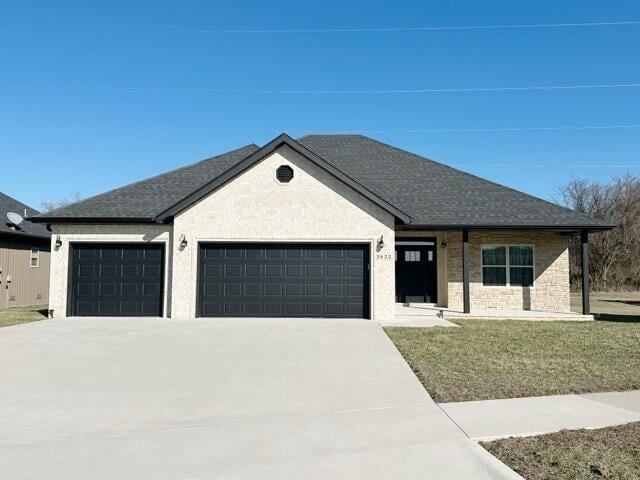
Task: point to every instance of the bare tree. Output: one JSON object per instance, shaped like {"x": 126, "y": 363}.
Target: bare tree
{"x": 49, "y": 205}
{"x": 615, "y": 255}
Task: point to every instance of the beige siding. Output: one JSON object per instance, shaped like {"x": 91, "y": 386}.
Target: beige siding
{"x": 28, "y": 285}
{"x": 313, "y": 207}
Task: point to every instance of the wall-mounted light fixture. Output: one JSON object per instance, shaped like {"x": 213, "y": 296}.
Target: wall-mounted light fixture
{"x": 183, "y": 242}
{"x": 443, "y": 243}
{"x": 58, "y": 241}
{"x": 380, "y": 244}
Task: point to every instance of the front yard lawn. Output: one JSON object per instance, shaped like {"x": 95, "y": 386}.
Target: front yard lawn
{"x": 16, "y": 315}
{"x": 488, "y": 359}
{"x": 606, "y": 453}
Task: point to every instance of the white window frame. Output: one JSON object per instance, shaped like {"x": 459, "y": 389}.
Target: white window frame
{"x": 507, "y": 265}
{"x": 36, "y": 257}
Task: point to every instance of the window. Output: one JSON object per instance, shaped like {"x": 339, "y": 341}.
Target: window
{"x": 504, "y": 265}
{"x": 284, "y": 173}
{"x": 412, "y": 256}
{"x": 35, "y": 254}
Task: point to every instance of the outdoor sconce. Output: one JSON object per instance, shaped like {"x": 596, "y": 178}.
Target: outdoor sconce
{"x": 58, "y": 241}
{"x": 380, "y": 244}
{"x": 183, "y": 242}
{"x": 443, "y": 243}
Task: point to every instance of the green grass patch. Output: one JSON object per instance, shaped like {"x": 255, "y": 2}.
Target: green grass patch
{"x": 606, "y": 453}
{"x": 16, "y": 315}
{"x": 489, "y": 359}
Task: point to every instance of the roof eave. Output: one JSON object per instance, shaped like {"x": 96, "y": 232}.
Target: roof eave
{"x": 30, "y": 236}
{"x": 563, "y": 228}
{"x": 43, "y": 219}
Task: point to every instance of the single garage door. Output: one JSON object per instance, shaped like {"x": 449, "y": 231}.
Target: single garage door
{"x": 283, "y": 280}
{"x": 116, "y": 280}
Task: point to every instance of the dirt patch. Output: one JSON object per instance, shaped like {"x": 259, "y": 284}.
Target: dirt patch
{"x": 611, "y": 453}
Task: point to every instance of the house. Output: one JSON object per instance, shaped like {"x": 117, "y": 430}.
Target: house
{"x": 24, "y": 256}
{"x": 321, "y": 226}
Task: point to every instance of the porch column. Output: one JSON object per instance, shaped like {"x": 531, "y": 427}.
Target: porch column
{"x": 584, "y": 250}
{"x": 465, "y": 272}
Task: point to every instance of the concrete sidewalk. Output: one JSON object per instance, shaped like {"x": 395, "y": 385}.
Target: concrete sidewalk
{"x": 491, "y": 419}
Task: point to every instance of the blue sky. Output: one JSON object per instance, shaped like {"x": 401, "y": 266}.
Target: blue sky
{"x": 94, "y": 95}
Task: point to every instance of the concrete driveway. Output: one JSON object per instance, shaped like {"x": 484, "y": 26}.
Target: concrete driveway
{"x": 207, "y": 399}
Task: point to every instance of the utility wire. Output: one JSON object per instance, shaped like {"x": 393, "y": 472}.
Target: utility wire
{"x": 332, "y": 92}
{"x": 507, "y": 129}
{"x": 353, "y": 132}
{"x": 326, "y": 30}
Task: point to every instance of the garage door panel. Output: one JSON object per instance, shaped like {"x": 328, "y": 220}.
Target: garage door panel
{"x": 317, "y": 280}
{"x": 116, "y": 279}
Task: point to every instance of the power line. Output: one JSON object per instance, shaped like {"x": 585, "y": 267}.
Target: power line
{"x": 358, "y": 131}
{"x": 543, "y": 165}
{"x": 332, "y": 92}
{"x": 326, "y": 30}
{"x": 507, "y": 129}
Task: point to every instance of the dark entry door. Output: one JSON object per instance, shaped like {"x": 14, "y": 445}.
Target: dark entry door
{"x": 283, "y": 280}
{"x": 416, "y": 271}
{"x": 116, "y": 280}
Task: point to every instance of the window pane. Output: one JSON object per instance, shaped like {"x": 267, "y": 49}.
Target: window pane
{"x": 494, "y": 276}
{"x": 34, "y": 262}
{"x": 521, "y": 276}
{"x": 494, "y": 256}
{"x": 410, "y": 256}
{"x": 521, "y": 255}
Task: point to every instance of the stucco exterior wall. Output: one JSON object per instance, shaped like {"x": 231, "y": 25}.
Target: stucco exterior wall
{"x": 104, "y": 234}
{"x": 313, "y": 207}
{"x": 550, "y": 291}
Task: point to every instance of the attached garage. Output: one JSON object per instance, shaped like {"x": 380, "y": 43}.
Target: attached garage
{"x": 283, "y": 280}
{"x": 116, "y": 280}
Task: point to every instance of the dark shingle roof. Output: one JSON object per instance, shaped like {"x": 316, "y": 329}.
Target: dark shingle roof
{"x": 431, "y": 193}
{"x": 145, "y": 199}
{"x": 26, "y": 228}
{"x": 436, "y": 194}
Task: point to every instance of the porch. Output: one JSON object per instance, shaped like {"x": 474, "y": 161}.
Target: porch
{"x": 426, "y": 315}
{"x": 486, "y": 273}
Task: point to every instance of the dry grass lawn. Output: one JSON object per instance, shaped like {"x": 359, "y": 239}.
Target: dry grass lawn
{"x": 607, "y": 453}
{"x": 16, "y": 315}
{"x": 488, "y": 359}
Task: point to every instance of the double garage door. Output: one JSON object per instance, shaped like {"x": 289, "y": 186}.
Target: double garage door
{"x": 234, "y": 280}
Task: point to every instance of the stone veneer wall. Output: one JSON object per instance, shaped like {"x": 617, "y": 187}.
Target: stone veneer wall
{"x": 550, "y": 291}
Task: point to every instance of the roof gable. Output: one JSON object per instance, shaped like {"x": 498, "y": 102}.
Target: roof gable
{"x": 260, "y": 154}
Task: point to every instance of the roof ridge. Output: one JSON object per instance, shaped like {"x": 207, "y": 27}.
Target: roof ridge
{"x": 174, "y": 170}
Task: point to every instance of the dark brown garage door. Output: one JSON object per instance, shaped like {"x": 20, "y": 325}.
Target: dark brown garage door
{"x": 283, "y": 280}
{"x": 116, "y": 280}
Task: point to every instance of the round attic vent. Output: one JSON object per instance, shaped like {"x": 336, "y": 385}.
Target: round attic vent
{"x": 284, "y": 173}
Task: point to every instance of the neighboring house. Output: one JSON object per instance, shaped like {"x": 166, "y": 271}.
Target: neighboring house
{"x": 321, "y": 226}
{"x": 24, "y": 256}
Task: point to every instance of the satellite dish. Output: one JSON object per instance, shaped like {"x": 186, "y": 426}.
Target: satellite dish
{"x": 14, "y": 218}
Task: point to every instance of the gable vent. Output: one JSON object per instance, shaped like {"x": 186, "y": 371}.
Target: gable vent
{"x": 284, "y": 173}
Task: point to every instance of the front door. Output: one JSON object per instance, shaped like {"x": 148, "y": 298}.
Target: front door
{"x": 416, "y": 271}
